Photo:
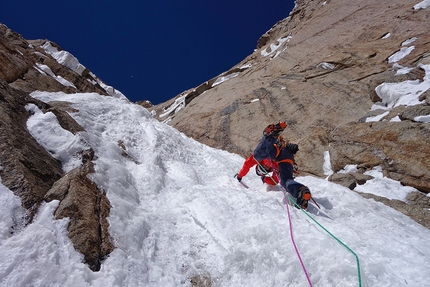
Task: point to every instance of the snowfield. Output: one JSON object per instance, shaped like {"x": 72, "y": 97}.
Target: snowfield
{"x": 177, "y": 212}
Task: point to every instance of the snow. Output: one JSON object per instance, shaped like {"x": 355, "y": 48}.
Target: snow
{"x": 424, "y": 119}
{"x": 422, "y": 5}
{"x": 60, "y": 143}
{"x": 177, "y": 105}
{"x": 177, "y": 212}
{"x": 377, "y": 118}
{"x": 273, "y": 47}
{"x": 245, "y": 66}
{"x": 43, "y": 69}
{"x": 67, "y": 59}
{"x": 326, "y": 66}
{"x": 409, "y": 41}
{"x": 383, "y": 186}
{"x": 396, "y": 94}
{"x": 402, "y": 53}
{"x": 403, "y": 93}
{"x": 396, "y": 119}
{"x": 401, "y": 70}
{"x": 222, "y": 79}
{"x": 327, "y": 165}
{"x": 349, "y": 168}
{"x": 10, "y": 212}
{"x": 64, "y": 58}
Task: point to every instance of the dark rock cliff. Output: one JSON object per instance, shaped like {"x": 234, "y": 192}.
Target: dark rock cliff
{"x": 27, "y": 168}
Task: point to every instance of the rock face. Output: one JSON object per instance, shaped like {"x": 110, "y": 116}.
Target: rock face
{"x": 27, "y": 168}
{"x": 400, "y": 148}
{"x": 88, "y": 208}
{"x": 321, "y": 70}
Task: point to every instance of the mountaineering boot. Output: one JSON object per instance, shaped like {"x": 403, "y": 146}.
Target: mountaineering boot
{"x": 303, "y": 197}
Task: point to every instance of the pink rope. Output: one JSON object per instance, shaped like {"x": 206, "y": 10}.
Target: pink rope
{"x": 294, "y": 243}
{"x": 291, "y": 225}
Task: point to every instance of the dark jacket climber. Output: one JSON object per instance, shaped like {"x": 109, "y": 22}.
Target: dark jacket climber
{"x": 273, "y": 146}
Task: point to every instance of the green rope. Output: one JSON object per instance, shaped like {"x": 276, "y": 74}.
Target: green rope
{"x": 319, "y": 224}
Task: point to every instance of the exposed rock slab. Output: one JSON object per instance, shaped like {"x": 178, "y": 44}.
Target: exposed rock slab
{"x": 349, "y": 180}
{"x": 317, "y": 70}
{"x": 88, "y": 208}
{"x": 400, "y": 148}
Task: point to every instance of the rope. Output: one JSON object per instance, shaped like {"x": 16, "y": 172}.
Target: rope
{"x": 294, "y": 242}
{"x": 287, "y": 196}
{"x": 291, "y": 225}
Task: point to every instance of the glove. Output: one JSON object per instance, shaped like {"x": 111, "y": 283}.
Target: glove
{"x": 236, "y": 176}
{"x": 293, "y": 147}
{"x": 274, "y": 130}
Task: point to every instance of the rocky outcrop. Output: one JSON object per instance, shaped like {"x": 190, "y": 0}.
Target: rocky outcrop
{"x": 390, "y": 145}
{"x": 26, "y": 66}
{"x": 88, "y": 208}
{"x": 318, "y": 70}
{"x": 27, "y": 168}
{"x": 350, "y": 180}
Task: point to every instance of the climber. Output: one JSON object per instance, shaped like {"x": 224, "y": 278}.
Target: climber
{"x": 273, "y": 146}
{"x": 263, "y": 168}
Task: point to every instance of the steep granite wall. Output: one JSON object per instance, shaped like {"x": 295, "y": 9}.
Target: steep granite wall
{"x": 318, "y": 70}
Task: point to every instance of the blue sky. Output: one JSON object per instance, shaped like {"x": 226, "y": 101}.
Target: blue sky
{"x": 149, "y": 50}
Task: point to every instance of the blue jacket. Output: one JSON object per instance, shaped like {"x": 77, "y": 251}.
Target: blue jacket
{"x": 267, "y": 148}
